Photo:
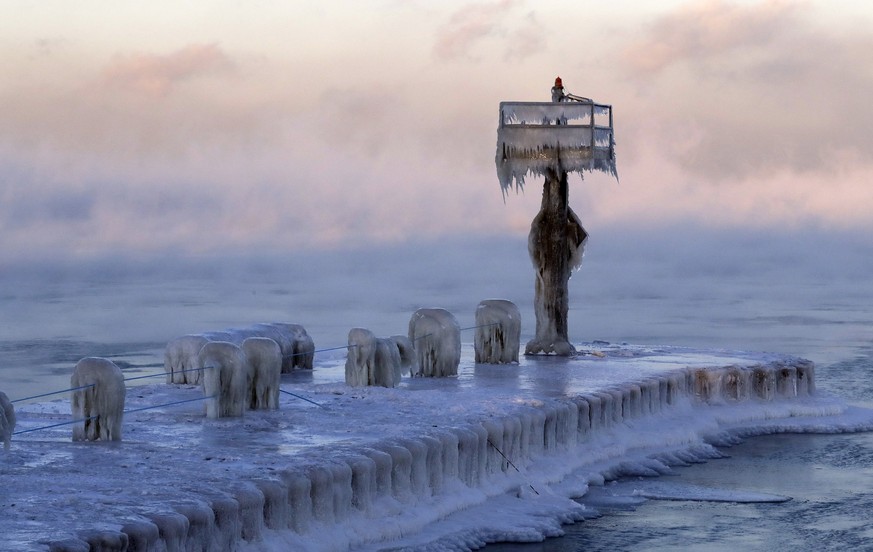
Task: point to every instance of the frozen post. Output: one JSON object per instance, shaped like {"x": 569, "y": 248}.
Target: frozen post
{"x": 568, "y": 134}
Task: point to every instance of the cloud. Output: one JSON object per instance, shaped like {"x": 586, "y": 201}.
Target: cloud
{"x": 475, "y": 23}
{"x": 156, "y": 75}
{"x": 202, "y": 147}
{"x": 744, "y": 89}
{"x": 706, "y": 29}
{"x": 526, "y": 40}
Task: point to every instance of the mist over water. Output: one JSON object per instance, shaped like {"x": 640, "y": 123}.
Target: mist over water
{"x": 799, "y": 293}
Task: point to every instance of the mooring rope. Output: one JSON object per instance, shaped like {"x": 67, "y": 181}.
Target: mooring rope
{"x": 168, "y": 404}
{"x": 207, "y": 367}
{"x": 460, "y": 329}
{"x": 302, "y": 398}
{"x": 320, "y": 351}
{"x": 69, "y": 422}
{"x": 510, "y": 463}
{"x": 165, "y": 373}
{"x": 54, "y": 393}
{"x": 481, "y": 326}
{"x": 54, "y": 425}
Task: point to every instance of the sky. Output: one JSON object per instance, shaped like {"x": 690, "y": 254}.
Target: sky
{"x": 190, "y": 128}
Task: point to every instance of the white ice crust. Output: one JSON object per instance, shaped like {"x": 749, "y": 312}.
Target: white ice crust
{"x": 98, "y": 400}
{"x": 436, "y": 336}
{"x": 498, "y": 332}
{"x": 180, "y": 355}
{"x": 264, "y": 357}
{"x": 496, "y": 453}
{"x": 226, "y": 376}
{"x": 7, "y": 420}
{"x": 534, "y": 137}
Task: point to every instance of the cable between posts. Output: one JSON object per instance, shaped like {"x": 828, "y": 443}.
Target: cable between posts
{"x": 69, "y": 422}
{"x": 510, "y": 463}
{"x": 168, "y": 404}
{"x": 53, "y": 393}
{"x": 207, "y": 367}
{"x": 302, "y": 398}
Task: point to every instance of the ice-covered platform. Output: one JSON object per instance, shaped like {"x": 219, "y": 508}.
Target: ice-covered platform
{"x": 496, "y": 453}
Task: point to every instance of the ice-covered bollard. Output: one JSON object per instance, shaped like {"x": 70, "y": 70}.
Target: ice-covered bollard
{"x": 98, "y": 400}
{"x": 437, "y": 338}
{"x": 374, "y": 361}
{"x": 408, "y": 358}
{"x": 763, "y": 383}
{"x": 180, "y": 359}
{"x": 786, "y": 381}
{"x": 225, "y": 379}
{"x": 180, "y": 355}
{"x": 361, "y": 357}
{"x": 805, "y": 377}
{"x": 302, "y": 352}
{"x": 498, "y": 332}
{"x": 7, "y": 420}
{"x": 386, "y": 365}
{"x": 265, "y": 369}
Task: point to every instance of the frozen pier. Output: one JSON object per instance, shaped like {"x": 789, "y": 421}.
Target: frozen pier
{"x": 496, "y": 453}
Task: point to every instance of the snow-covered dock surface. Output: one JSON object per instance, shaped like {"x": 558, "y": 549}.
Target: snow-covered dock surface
{"x": 496, "y": 453}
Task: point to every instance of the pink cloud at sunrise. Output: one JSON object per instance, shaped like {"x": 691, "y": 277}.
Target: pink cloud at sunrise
{"x": 220, "y": 125}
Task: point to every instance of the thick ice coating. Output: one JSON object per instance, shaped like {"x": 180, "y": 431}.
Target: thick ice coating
{"x": 498, "y": 332}
{"x": 408, "y": 359}
{"x": 225, "y": 379}
{"x": 430, "y": 466}
{"x": 98, "y": 400}
{"x": 265, "y": 370}
{"x": 436, "y": 336}
{"x": 7, "y": 420}
{"x": 375, "y": 361}
{"x": 180, "y": 354}
{"x": 361, "y": 358}
{"x": 535, "y": 137}
{"x": 387, "y": 370}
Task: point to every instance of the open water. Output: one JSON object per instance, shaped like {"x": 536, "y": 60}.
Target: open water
{"x": 806, "y": 295}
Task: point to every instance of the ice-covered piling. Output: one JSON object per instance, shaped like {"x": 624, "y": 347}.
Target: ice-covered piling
{"x": 225, "y": 379}
{"x": 375, "y": 360}
{"x": 98, "y": 400}
{"x": 498, "y": 332}
{"x": 180, "y": 354}
{"x": 436, "y": 336}
{"x": 7, "y": 420}
{"x": 264, "y": 359}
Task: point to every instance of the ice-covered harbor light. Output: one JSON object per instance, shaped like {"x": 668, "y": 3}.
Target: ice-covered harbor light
{"x": 568, "y": 134}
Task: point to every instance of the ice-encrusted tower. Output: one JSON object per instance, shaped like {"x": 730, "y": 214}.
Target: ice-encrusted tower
{"x": 568, "y": 134}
